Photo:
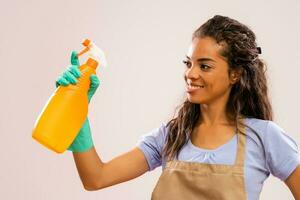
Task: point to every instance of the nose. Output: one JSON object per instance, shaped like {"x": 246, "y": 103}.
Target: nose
{"x": 192, "y": 73}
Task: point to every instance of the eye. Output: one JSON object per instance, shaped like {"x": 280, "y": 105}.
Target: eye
{"x": 204, "y": 66}
{"x": 187, "y": 63}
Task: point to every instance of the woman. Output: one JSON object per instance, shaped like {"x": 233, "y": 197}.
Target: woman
{"x": 222, "y": 144}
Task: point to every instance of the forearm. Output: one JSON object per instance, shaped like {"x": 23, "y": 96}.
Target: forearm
{"x": 89, "y": 167}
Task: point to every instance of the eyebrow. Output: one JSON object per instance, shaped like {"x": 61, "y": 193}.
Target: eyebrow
{"x": 202, "y": 59}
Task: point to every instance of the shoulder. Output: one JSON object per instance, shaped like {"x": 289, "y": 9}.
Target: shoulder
{"x": 151, "y": 144}
{"x": 159, "y": 133}
{"x": 156, "y": 136}
{"x": 256, "y": 129}
{"x": 268, "y": 130}
{"x": 264, "y": 128}
{"x": 258, "y": 124}
{"x": 268, "y": 134}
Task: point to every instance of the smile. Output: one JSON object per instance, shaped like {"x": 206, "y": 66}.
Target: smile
{"x": 192, "y": 88}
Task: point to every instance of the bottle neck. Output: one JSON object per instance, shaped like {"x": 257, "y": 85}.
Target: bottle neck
{"x": 92, "y": 63}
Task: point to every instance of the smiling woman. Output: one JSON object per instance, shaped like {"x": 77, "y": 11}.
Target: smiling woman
{"x": 223, "y": 144}
{"x": 223, "y": 139}
{"x": 223, "y": 59}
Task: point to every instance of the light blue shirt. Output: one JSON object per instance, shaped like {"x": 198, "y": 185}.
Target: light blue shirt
{"x": 271, "y": 151}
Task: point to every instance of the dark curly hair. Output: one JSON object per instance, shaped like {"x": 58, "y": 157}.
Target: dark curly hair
{"x": 248, "y": 97}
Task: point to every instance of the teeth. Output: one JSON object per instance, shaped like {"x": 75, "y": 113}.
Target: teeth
{"x": 196, "y": 86}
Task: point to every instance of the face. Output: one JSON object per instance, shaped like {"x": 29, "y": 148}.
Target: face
{"x": 206, "y": 72}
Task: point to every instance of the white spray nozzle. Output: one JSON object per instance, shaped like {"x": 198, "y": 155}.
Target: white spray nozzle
{"x": 94, "y": 52}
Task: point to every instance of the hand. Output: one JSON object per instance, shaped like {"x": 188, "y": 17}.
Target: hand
{"x": 72, "y": 73}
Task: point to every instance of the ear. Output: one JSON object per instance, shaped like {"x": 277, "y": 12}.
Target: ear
{"x": 235, "y": 75}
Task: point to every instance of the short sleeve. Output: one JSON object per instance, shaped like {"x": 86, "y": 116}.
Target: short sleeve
{"x": 282, "y": 152}
{"x": 152, "y": 144}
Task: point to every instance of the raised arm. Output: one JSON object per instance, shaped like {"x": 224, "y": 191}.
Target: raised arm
{"x": 96, "y": 174}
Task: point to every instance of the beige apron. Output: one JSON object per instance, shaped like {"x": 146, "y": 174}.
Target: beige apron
{"x": 192, "y": 180}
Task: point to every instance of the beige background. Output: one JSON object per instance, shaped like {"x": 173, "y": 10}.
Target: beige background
{"x": 145, "y": 42}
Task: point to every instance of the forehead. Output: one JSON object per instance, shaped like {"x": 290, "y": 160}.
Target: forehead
{"x": 205, "y": 47}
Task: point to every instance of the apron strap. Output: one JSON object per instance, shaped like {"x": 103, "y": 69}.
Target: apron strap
{"x": 240, "y": 158}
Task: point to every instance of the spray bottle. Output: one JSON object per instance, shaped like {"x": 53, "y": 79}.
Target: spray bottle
{"x": 66, "y": 110}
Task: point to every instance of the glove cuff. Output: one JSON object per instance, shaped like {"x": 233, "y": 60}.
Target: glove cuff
{"x": 83, "y": 141}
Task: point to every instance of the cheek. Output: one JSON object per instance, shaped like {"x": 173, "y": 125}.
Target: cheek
{"x": 219, "y": 84}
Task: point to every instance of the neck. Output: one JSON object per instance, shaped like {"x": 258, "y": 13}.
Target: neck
{"x": 215, "y": 113}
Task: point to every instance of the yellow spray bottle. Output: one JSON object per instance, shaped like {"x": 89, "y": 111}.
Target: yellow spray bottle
{"x": 66, "y": 110}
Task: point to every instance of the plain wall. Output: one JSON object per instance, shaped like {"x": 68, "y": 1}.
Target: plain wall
{"x": 145, "y": 43}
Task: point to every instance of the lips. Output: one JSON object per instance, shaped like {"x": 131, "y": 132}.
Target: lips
{"x": 188, "y": 82}
{"x": 193, "y": 87}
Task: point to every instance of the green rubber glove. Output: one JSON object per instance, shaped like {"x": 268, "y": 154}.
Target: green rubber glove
{"x": 83, "y": 140}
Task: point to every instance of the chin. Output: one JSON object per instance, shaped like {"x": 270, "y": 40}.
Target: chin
{"x": 196, "y": 100}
